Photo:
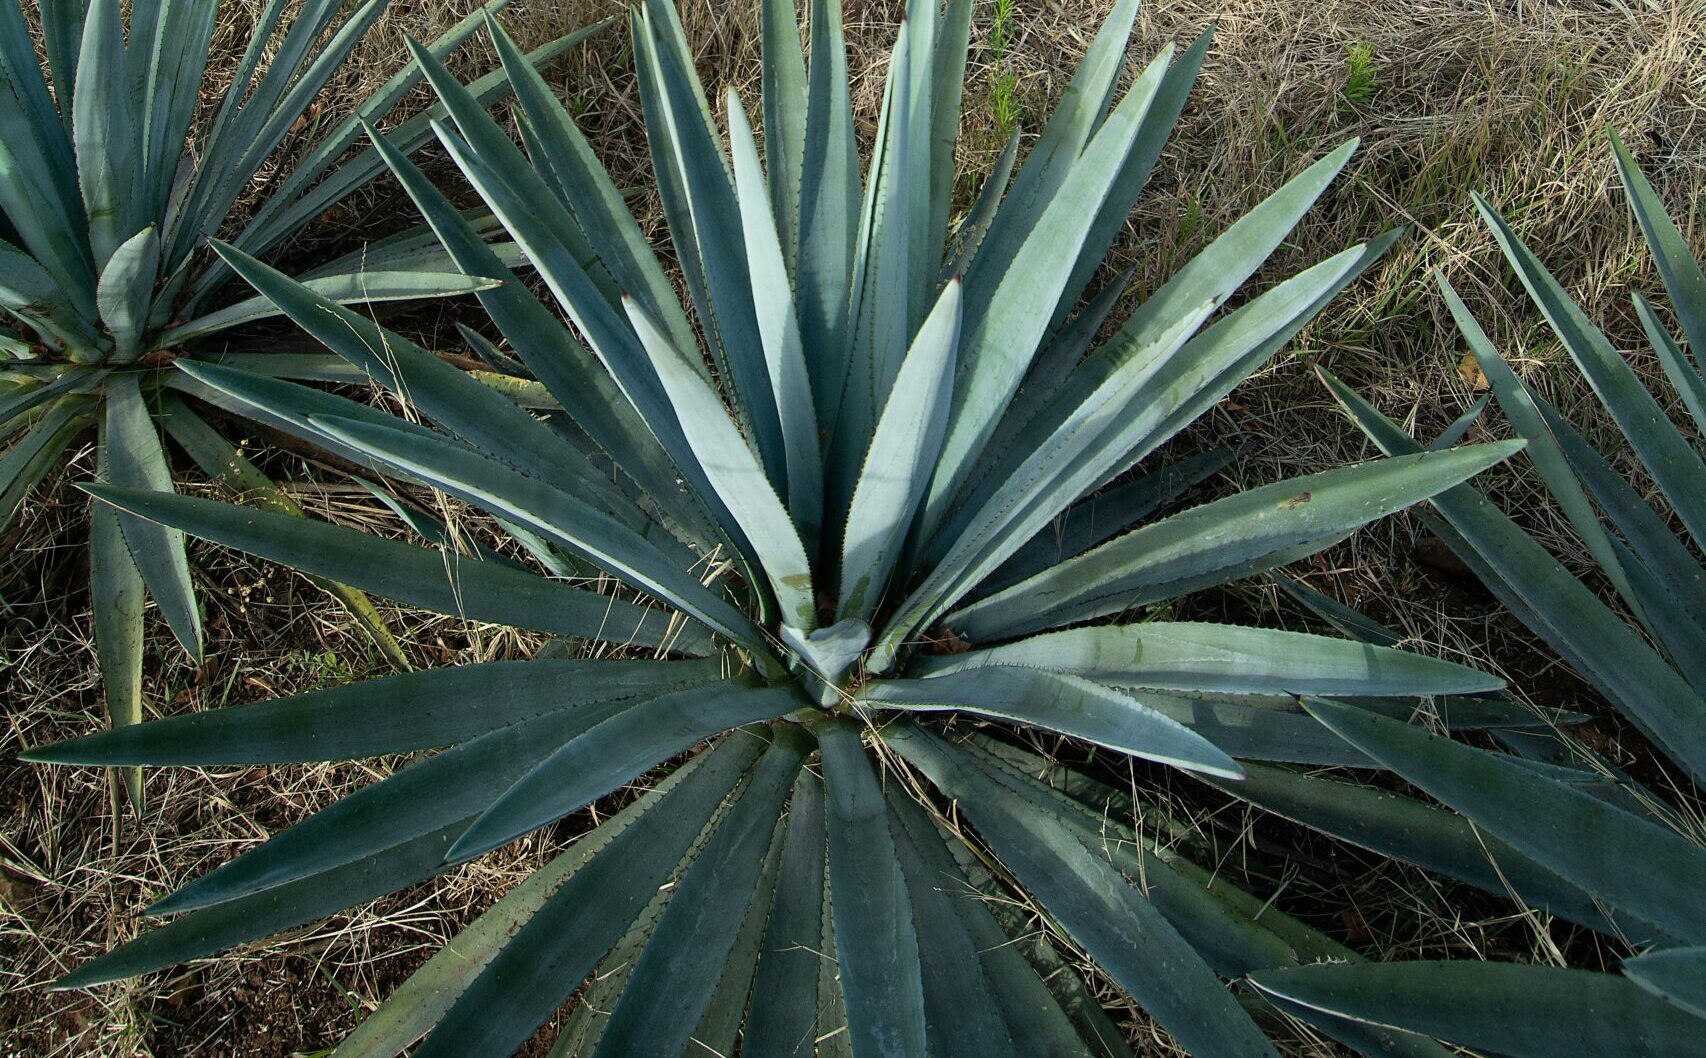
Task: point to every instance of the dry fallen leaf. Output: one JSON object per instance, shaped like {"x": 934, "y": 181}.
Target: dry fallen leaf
{"x": 1470, "y": 371}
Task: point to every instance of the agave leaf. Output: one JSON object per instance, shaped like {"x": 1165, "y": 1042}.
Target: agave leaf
{"x": 28, "y": 292}
{"x": 1520, "y": 408}
{"x": 546, "y": 959}
{"x": 1225, "y": 659}
{"x": 1060, "y": 702}
{"x": 1624, "y": 860}
{"x": 1057, "y": 149}
{"x": 960, "y": 1016}
{"x": 1676, "y": 467}
{"x": 1683, "y": 374}
{"x": 22, "y": 400}
{"x": 1158, "y": 123}
{"x": 410, "y": 1011}
{"x": 783, "y": 1017}
{"x": 1221, "y": 541}
{"x": 1063, "y": 466}
{"x": 364, "y": 287}
{"x": 393, "y": 714}
{"x": 735, "y": 471}
{"x": 581, "y": 528}
{"x": 1678, "y": 269}
{"x": 270, "y": 911}
{"x": 116, "y": 600}
{"x": 1572, "y": 620}
{"x": 1103, "y": 515}
{"x": 974, "y": 227}
{"x": 876, "y": 945}
{"x": 135, "y": 459}
{"x": 673, "y": 979}
{"x": 779, "y": 327}
{"x": 785, "y": 104}
{"x": 1029, "y": 1019}
{"x": 1678, "y": 975}
{"x": 719, "y": 1027}
{"x": 125, "y": 290}
{"x": 104, "y": 129}
{"x": 829, "y": 211}
{"x": 459, "y": 783}
{"x": 685, "y": 142}
{"x": 999, "y": 346}
{"x": 594, "y": 763}
{"x": 1521, "y": 1011}
{"x": 426, "y": 577}
{"x": 462, "y": 405}
{"x": 1351, "y": 623}
{"x": 583, "y": 388}
{"x": 1431, "y": 838}
{"x": 171, "y": 75}
{"x": 304, "y": 194}
{"x": 895, "y": 471}
{"x": 1115, "y": 923}
{"x": 1173, "y": 388}
{"x": 27, "y": 459}
{"x": 1063, "y": 352}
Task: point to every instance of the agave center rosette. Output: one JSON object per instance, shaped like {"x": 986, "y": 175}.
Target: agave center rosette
{"x": 878, "y": 472}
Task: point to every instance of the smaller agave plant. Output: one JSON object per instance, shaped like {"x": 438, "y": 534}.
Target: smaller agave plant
{"x": 1632, "y": 851}
{"x": 836, "y": 562}
{"x": 106, "y": 203}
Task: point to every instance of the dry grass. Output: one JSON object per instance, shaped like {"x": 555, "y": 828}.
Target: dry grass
{"x": 1506, "y": 97}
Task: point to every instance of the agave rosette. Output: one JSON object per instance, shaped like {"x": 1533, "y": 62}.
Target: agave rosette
{"x": 110, "y": 186}
{"x": 894, "y": 486}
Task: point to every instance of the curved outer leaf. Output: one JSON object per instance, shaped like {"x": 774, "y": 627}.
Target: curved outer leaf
{"x": 548, "y": 957}
{"x": 613, "y": 752}
{"x": 411, "y": 1011}
{"x": 392, "y": 714}
{"x": 1521, "y": 1011}
{"x": 734, "y": 471}
{"x": 1221, "y": 541}
{"x": 1624, "y": 860}
{"x": 894, "y": 474}
{"x": 673, "y": 980}
{"x": 1678, "y": 975}
{"x": 136, "y": 459}
{"x": 1060, "y": 702}
{"x": 426, "y": 577}
{"x": 1115, "y": 923}
{"x": 28, "y": 458}
{"x": 876, "y": 946}
{"x": 1226, "y": 659}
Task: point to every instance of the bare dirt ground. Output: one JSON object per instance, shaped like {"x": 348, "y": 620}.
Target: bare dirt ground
{"x": 1509, "y": 97}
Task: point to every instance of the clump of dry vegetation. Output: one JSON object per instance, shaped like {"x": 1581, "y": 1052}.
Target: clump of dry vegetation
{"x": 1507, "y": 99}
